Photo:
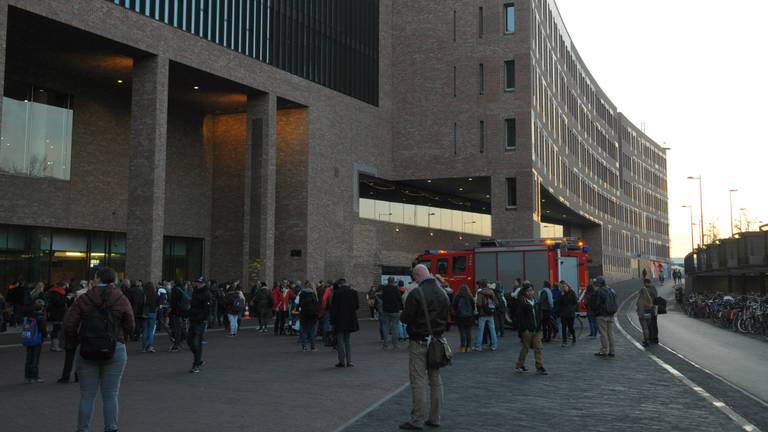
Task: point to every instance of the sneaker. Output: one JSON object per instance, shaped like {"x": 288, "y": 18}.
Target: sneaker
{"x": 541, "y": 371}
{"x": 494, "y": 348}
{"x": 36, "y": 380}
{"x": 151, "y": 350}
{"x": 599, "y": 354}
{"x": 521, "y": 369}
{"x": 350, "y": 365}
{"x": 194, "y": 370}
{"x": 339, "y": 365}
{"x": 564, "y": 344}
{"x": 476, "y": 349}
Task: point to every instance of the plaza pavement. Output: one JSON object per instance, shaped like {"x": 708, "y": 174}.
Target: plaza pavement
{"x": 259, "y": 382}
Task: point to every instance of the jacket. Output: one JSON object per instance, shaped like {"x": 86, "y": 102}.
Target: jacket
{"x": 589, "y": 299}
{"x": 645, "y": 298}
{"x": 392, "y": 301}
{"x": 550, "y": 302}
{"x": 438, "y": 308}
{"x": 137, "y": 299}
{"x": 325, "y": 302}
{"x": 484, "y": 296}
{"x": 151, "y": 304}
{"x": 262, "y": 300}
{"x": 344, "y": 306}
{"x": 281, "y": 299}
{"x": 57, "y": 304}
{"x": 528, "y": 316}
{"x": 118, "y": 304}
{"x": 41, "y": 324}
{"x": 568, "y": 302}
{"x": 308, "y": 304}
{"x": 200, "y": 306}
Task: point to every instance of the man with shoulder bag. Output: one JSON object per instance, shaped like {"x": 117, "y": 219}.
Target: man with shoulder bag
{"x": 426, "y": 316}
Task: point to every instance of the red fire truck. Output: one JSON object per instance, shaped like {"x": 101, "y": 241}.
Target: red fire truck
{"x": 503, "y": 261}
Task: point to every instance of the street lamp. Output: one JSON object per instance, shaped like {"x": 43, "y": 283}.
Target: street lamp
{"x": 701, "y": 206}
{"x": 730, "y": 207}
{"x": 690, "y": 210}
{"x": 742, "y": 211}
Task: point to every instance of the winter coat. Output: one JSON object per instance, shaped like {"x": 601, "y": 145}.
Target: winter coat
{"x": 484, "y": 296}
{"x": 438, "y": 308}
{"x": 528, "y": 316}
{"x": 118, "y": 304}
{"x": 344, "y": 306}
{"x": 568, "y": 302}
{"x": 262, "y": 300}
{"x": 200, "y": 306}
{"x": 57, "y": 304}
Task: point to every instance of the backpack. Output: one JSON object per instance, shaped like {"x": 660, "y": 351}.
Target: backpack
{"x": 98, "y": 333}
{"x": 611, "y": 306}
{"x": 544, "y": 300}
{"x": 185, "y": 302}
{"x": 30, "y": 334}
{"x": 465, "y": 308}
{"x": 162, "y": 299}
{"x": 309, "y": 305}
{"x": 234, "y": 304}
{"x": 489, "y": 307}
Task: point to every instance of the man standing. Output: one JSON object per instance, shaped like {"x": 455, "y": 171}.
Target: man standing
{"x": 529, "y": 318}
{"x": 392, "y": 305}
{"x": 344, "y": 306}
{"x": 437, "y": 305}
{"x": 487, "y": 303}
{"x": 547, "y": 303}
{"x": 200, "y": 308}
{"x": 605, "y": 306}
{"x": 645, "y": 310}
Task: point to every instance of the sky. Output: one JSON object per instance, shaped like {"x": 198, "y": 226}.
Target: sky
{"x": 694, "y": 73}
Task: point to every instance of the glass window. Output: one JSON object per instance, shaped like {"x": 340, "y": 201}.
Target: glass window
{"x": 511, "y": 135}
{"x": 459, "y": 265}
{"x": 442, "y": 266}
{"x": 36, "y": 132}
{"x": 509, "y": 18}
{"x": 509, "y": 75}
{"x": 480, "y": 22}
{"x": 512, "y": 192}
{"x": 481, "y": 78}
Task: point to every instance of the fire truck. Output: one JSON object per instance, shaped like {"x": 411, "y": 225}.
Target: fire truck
{"x": 503, "y": 261}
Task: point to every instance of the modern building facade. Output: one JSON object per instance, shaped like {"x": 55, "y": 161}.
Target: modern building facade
{"x": 325, "y": 138}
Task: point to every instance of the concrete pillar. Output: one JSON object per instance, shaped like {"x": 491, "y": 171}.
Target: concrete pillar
{"x": 146, "y": 172}
{"x": 261, "y": 189}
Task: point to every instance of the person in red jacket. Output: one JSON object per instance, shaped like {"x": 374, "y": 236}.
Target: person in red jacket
{"x": 325, "y": 313}
{"x": 281, "y": 296}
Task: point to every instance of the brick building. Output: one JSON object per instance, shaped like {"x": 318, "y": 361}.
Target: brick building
{"x": 326, "y": 138}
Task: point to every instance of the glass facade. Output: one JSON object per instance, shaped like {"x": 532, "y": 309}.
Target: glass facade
{"x": 36, "y": 133}
{"x": 426, "y": 217}
{"x": 334, "y": 43}
{"x": 51, "y": 255}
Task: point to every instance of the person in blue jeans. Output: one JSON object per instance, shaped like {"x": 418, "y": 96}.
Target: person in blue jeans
{"x": 150, "y": 317}
{"x": 101, "y": 375}
{"x": 486, "y": 302}
{"x": 33, "y": 334}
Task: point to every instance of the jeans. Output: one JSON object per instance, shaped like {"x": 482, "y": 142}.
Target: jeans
{"x": 605, "y": 328}
{"x": 280, "y": 322}
{"x": 645, "y": 322}
{"x": 527, "y": 339}
{"x": 592, "y": 325}
{"x": 465, "y": 332}
{"x": 325, "y": 324}
{"x": 420, "y": 377}
{"x": 104, "y": 375}
{"x": 482, "y": 321}
{"x": 343, "y": 348}
{"x": 233, "y": 323}
{"x": 150, "y": 325}
{"x": 308, "y": 331}
{"x": 391, "y": 327}
{"x": 195, "y": 341}
{"x": 32, "y": 363}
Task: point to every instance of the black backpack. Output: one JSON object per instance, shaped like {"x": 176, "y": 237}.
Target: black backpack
{"x": 308, "y": 304}
{"x": 98, "y": 332}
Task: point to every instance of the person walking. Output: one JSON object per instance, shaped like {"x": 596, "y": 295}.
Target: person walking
{"x": 262, "y": 304}
{"x": 149, "y": 318}
{"x": 234, "y": 304}
{"x": 200, "y": 308}
{"x": 308, "y": 313}
{"x": 181, "y": 301}
{"x": 33, "y": 333}
{"x": 530, "y": 318}
{"x": 344, "y": 306}
{"x": 464, "y": 310}
{"x": 487, "y": 303}
{"x": 282, "y": 296}
{"x": 547, "y": 303}
{"x": 100, "y": 371}
{"x": 645, "y": 310}
{"x": 391, "y": 305}
{"x": 605, "y": 306}
{"x": 430, "y": 296}
{"x": 57, "y": 308}
{"x": 568, "y": 303}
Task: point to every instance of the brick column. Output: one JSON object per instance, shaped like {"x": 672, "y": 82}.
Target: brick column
{"x": 146, "y": 174}
{"x": 262, "y": 166}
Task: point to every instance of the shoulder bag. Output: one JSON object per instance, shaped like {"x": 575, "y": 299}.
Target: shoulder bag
{"x": 438, "y": 351}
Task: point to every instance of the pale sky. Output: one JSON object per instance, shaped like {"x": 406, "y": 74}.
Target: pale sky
{"x": 694, "y": 71}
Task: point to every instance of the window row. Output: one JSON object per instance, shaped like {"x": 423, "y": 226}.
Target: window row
{"x": 424, "y": 216}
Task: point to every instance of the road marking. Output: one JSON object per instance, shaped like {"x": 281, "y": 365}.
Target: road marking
{"x": 372, "y": 407}
{"x": 702, "y": 368}
{"x": 733, "y": 415}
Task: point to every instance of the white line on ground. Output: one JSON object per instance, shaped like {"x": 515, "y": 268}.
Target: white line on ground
{"x": 733, "y": 415}
{"x": 372, "y": 407}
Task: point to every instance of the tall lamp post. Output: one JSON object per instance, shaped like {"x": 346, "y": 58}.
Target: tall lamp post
{"x": 730, "y": 207}
{"x": 690, "y": 210}
{"x": 742, "y": 211}
{"x": 701, "y": 206}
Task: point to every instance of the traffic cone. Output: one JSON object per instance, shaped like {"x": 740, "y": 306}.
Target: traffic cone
{"x": 247, "y": 315}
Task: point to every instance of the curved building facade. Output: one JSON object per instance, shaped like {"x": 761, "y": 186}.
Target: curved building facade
{"x": 324, "y": 138}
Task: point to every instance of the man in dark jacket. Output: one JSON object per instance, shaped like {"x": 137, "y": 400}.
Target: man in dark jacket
{"x": 57, "y": 307}
{"x": 344, "y": 306}
{"x": 177, "y": 314}
{"x": 429, "y": 292}
{"x": 529, "y": 318}
{"x": 200, "y": 308}
{"x": 391, "y": 306}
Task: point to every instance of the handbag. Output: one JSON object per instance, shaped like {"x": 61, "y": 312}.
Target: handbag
{"x": 661, "y": 304}
{"x": 438, "y": 351}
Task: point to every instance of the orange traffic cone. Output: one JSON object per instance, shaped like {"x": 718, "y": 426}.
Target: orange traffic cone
{"x": 247, "y": 313}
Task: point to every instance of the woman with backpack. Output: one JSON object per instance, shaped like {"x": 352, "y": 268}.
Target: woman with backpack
{"x": 151, "y": 302}
{"x": 234, "y": 304}
{"x": 464, "y": 311}
{"x": 33, "y": 333}
{"x": 102, "y": 320}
